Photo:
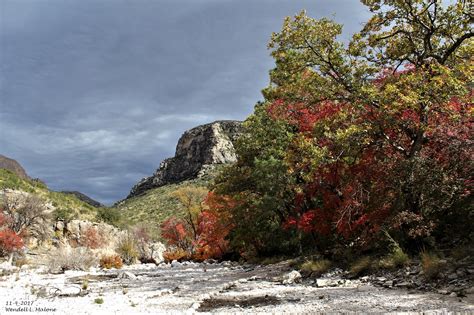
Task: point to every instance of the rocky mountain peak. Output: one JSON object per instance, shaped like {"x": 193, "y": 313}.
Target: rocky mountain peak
{"x": 13, "y": 166}
{"x": 198, "y": 149}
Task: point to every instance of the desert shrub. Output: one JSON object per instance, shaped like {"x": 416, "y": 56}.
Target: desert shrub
{"x": 202, "y": 236}
{"x": 127, "y": 249}
{"x": 360, "y": 266}
{"x": 176, "y": 254}
{"x": 316, "y": 266}
{"x": 91, "y": 238}
{"x": 112, "y": 261}
{"x": 431, "y": 265}
{"x": 177, "y": 233}
{"x": 64, "y": 215}
{"x": 85, "y": 284}
{"x": 99, "y": 301}
{"x": 10, "y": 242}
{"x": 67, "y": 258}
{"x": 26, "y": 214}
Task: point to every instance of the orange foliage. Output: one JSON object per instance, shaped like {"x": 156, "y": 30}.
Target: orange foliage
{"x": 209, "y": 241}
{"x": 176, "y": 254}
{"x": 113, "y": 261}
{"x": 10, "y": 242}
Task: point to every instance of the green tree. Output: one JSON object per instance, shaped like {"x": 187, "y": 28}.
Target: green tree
{"x": 260, "y": 185}
{"x": 191, "y": 199}
{"x": 349, "y": 132}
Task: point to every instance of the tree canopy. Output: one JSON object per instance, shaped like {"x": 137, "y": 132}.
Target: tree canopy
{"x": 360, "y": 138}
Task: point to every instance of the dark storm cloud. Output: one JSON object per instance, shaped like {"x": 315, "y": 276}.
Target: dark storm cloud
{"x": 94, "y": 94}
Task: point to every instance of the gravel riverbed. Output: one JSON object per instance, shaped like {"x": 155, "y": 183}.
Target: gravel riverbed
{"x": 208, "y": 288}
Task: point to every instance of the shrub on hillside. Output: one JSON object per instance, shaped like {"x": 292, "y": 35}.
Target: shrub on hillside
{"x": 26, "y": 214}
{"x": 68, "y": 258}
{"x": 10, "y": 242}
{"x": 203, "y": 239}
{"x": 112, "y": 261}
{"x": 65, "y": 215}
{"x": 178, "y": 254}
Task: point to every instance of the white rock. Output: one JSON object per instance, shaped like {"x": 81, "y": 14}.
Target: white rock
{"x": 71, "y": 290}
{"x": 327, "y": 282}
{"x": 126, "y": 275}
{"x": 175, "y": 263}
{"x": 291, "y": 277}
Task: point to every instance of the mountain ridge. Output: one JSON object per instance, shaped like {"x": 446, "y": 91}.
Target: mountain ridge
{"x": 13, "y": 166}
{"x": 198, "y": 151}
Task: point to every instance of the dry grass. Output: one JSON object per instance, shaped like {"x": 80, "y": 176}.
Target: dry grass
{"x": 431, "y": 264}
{"x": 112, "y": 261}
{"x": 360, "y": 266}
{"x": 397, "y": 258}
{"x": 85, "y": 284}
{"x": 127, "y": 249}
{"x": 316, "y": 266}
{"x": 176, "y": 254}
{"x": 67, "y": 258}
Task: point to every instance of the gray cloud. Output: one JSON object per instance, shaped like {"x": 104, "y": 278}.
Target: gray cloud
{"x": 95, "y": 93}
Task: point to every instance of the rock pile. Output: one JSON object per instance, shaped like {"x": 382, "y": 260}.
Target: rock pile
{"x": 456, "y": 279}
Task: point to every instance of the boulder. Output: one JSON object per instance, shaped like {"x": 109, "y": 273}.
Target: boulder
{"x": 153, "y": 252}
{"x": 175, "y": 263}
{"x": 126, "y": 275}
{"x": 291, "y": 277}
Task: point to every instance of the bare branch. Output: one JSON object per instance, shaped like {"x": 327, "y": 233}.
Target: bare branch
{"x": 455, "y": 46}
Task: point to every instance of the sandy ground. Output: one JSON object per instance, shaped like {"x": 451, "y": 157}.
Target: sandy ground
{"x": 205, "y": 288}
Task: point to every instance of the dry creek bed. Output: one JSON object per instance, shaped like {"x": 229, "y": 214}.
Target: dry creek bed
{"x": 209, "y": 288}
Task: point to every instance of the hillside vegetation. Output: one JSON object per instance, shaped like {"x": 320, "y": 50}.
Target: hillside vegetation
{"x": 66, "y": 206}
{"x": 157, "y": 205}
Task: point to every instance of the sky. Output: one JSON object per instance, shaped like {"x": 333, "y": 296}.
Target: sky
{"x": 94, "y": 94}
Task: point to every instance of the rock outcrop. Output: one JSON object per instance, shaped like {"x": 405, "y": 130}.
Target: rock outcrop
{"x": 13, "y": 166}
{"x": 84, "y": 198}
{"x": 106, "y": 238}
{"x": 198, "y": 150}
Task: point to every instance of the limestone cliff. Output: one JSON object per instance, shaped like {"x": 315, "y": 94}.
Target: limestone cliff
{"x": 198, "y": 149}
{"x": 13, "y": 166}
